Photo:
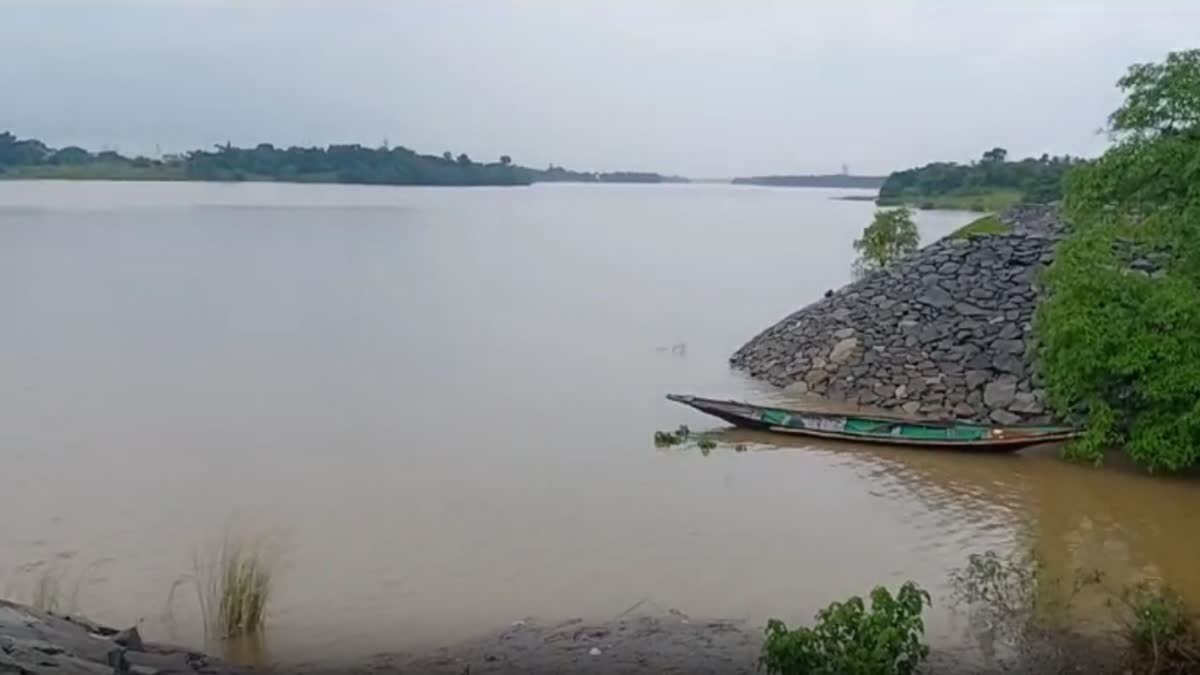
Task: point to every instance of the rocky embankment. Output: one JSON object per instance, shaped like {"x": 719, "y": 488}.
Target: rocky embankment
{"x": 943, "y": 333}
{"x": 33, "y": 642}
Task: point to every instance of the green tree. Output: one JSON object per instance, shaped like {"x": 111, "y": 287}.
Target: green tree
{"x": 996, "y": 154}
{"x": 505, "y": 160}
{"x": 70, "y": 155}
{"x": 889, "y": 237}
{"x": 1120, "y": 329}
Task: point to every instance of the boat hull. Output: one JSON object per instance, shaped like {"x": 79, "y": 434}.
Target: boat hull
{"x": 880, "y": 430}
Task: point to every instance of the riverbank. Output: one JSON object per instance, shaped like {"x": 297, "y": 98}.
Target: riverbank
{"x": 973, "y": 200}
{"x": 33, "y": 642}
{"x": 944, "y": 333}
{"x": 660, "y": 641}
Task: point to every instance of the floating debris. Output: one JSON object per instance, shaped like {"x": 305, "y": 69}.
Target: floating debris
{"x": 683, "y": 436}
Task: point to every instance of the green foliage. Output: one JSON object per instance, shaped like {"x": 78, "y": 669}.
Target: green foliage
{"x": 666, "y": 439}
{"x": 234, "y": 584}
{"x": 1015, "y": 600}
{"x": 849, "y": 639}
{"x": 991, "y": 184}
{"x": 1161, "y": 633}
{"x": 264, "y": 162}
{"x": 889, "y": 237}
{"x": 1120, "y": 329}
{"x": 1160, "y": 98}
{"x": 980, "y": 227}
{"x": 974, "y": 199}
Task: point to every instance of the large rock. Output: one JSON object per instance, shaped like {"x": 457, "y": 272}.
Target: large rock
{"x": 945, "y": 328}
{"x": 33, "y": 642}
{"x": 999, "y": 393}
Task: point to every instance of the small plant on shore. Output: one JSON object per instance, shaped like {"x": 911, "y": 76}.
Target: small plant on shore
{"x": 849, "y": 639}
{"x": 1015, "y": 601}
{"x": 233, "y": 585}
{"x": 890, "y": 236}
{"x": 1162, "y": 635}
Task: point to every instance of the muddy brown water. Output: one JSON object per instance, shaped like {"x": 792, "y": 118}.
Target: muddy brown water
{"x": 439, "y": 404}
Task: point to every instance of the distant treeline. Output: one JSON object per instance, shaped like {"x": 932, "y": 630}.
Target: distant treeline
{"x": 31, "y": 158}
{"x": 822, "y": 181}
{"x": 1036, "y": 180}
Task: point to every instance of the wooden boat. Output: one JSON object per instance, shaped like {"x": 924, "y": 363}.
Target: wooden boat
{"x": 879, "y": 429}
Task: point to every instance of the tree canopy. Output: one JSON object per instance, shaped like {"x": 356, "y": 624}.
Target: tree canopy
{"x": 1037, "y": 180}
{"x": 1120, "y": 330}
{"x": 336, "y": 163}
{"x": 890, "y": 236}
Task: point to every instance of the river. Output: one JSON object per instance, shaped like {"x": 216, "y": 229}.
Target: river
{"x": 439, "y": 403}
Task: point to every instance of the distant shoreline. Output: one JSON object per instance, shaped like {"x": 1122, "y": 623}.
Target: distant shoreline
{"x": 846, "y": 181}
{"x": 353, "y": 164}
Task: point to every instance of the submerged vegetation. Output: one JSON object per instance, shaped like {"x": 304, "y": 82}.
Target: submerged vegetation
{"x": 1120, "y": 329}
{"x": 1015, "y": 602}
{"x": 352, "y": 163}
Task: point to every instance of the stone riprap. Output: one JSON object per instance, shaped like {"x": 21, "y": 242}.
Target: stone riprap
{"x": 943, "y": 333}
{"x": 33, "y": 642}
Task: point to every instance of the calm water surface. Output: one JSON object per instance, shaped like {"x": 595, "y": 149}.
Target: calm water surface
{"x": 442, "y": 401}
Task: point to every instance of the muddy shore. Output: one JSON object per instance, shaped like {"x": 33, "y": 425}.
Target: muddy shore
{"x": 38, "y": 643}
{"x": 673, "y": 642}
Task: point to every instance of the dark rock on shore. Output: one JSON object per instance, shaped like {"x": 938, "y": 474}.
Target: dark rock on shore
{"x": 673, "y": 642}
{"x": 33, "y": 642}
{"x": 944, "y": 333}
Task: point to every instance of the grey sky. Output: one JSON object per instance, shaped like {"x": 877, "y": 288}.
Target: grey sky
{"x": 698, "y": 87}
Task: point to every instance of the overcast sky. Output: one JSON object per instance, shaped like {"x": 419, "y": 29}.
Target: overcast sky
{"x": 697, "y": 87}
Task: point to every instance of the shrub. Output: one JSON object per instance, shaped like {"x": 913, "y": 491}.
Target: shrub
{"x": 849, "y": 639}
{"x": 1160, "y": 632}
{"x": 1120, "y": 329}
{"x": 889, "y": 237}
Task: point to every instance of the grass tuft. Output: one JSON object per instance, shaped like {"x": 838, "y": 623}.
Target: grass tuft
{"x": 234, "y": 584}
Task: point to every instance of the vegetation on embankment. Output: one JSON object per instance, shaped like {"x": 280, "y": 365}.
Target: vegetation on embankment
{"x": 991, "y": 184}
{"x": 989, "y": 224}
{"x": 973, "y": 199}
{"x": 1120, "y": 329}
{"x": 33, "y": 159}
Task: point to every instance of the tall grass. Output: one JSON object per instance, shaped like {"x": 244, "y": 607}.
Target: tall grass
{"x": 234, "y": 585}
{"x": 47, "y": 591}
{"x": 51, "y": 589}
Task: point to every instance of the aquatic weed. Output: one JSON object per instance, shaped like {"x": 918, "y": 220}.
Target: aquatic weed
{"x": 234, "y": 584}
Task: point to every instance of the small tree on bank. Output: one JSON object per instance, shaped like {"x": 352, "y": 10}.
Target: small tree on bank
{"x": 890, "y": 236}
